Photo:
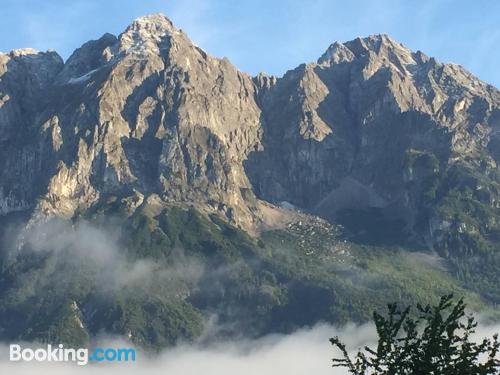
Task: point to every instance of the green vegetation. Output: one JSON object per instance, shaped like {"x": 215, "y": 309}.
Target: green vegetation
{"x": 466, "y": 225}
{"x": 356, "y": 279}
{"x": 199, "y": 266}
{"x": 437, "y": 340}
{"x": 453, "y": 207}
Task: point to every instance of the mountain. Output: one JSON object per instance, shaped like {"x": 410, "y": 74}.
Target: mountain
{"x": 270, "y": 203}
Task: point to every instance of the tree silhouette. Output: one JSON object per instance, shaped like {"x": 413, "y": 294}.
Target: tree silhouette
{"x": 435, "y": 341}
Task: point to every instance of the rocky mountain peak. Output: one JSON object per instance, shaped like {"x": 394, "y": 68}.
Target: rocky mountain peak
{"x": 89, "y": 57}
{"x": 156, "y": 22}
{"x": 336, "y": 53}
{"x": 35, "y": 69}
{"x": 378, "y": 48}
{"x": 23, "y": 52}
{"x": 374, "y": 42}
{"x": 148, "y": 111}
{"x": 147, "y": 34}
{"x": 31, "y": 56}
{"x": 397, "y": 148}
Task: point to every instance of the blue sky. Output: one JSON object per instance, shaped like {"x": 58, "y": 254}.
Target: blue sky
{"x": 271, "y": 35}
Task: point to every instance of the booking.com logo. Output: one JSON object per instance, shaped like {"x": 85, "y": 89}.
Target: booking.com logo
{"x": 80, "y": 356}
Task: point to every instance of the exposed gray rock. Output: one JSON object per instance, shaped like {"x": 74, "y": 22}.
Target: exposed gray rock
{"x": 338, "y": 133}
{"x": 373, "y": 144}
{"x": 149, "y": 113}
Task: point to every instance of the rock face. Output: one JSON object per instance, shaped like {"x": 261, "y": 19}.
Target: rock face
{"x": 181, "y": 148}
{"x": 146, "y": 112}
{"x": 370, "y": 125}
{"x": 26, "y": 76}
{"x": 337, "y": 132}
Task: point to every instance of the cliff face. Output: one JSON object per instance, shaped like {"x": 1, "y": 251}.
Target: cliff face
{"x": 398, "y": 148}
{"x": 370, "y": 125}
{"x": 26, "y": 77}
{"x": 344, "y": 132}
{"x": 151, "y": 113}
{"x": 145, "y": 113}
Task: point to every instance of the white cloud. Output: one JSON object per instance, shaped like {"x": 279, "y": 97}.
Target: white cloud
{"x": 98, "y": 249}
{"x": 305, "y": 352}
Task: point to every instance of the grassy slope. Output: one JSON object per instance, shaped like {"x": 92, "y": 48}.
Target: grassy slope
{"x": 284, "y": 280}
